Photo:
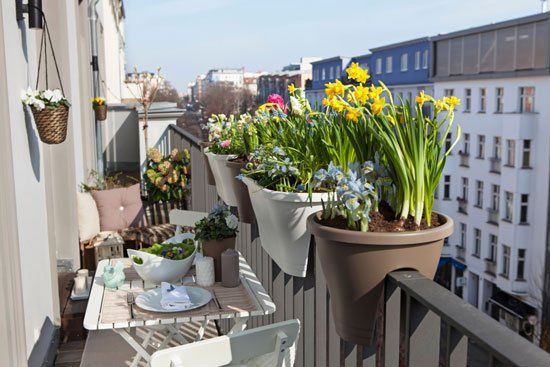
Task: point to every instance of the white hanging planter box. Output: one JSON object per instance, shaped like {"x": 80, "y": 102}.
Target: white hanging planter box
{"x": 223, "y": 176}
{"x": 282, "y": 219}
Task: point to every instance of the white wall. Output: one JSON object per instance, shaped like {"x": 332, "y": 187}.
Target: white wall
{"x": 157, "y": 135}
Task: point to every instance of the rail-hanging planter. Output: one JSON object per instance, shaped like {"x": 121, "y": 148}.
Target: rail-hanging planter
{"x": 282, "y": 218}
{"x": 244, "y": 205}
{"x": 209, "y": 175}
{"x": 223, "y": 176}
{"x": 51, "y": 123}
{"x": 356, "y": 263}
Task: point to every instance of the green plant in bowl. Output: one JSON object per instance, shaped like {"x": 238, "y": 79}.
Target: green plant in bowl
{"x": 171, "y": 251}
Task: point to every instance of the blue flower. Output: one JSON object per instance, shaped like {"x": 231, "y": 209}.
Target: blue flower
{"x": 300, "y": 187}
{"x": 240, "y": 177}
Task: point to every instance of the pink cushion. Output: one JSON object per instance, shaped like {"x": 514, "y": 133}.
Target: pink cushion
{"x": 120, "y": 208}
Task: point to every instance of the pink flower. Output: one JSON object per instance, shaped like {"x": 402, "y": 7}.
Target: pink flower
{"x": 276, "y": 98}
{"x": 225, "y": 143}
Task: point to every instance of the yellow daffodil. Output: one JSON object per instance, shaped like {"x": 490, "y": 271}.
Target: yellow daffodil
{"x": 355, "y": 72}
{"x": 378, "y": 105}
{"x": 361, "y": 94}
{"x": 291, "y": 88}
{"x": 440, "y": 105}
{"x": 451, "y": 101}
{"x": 337, "y": 105}
{"x": 353, "y": 114}
{"x": 325, "y": 102}
{"x": 336, "y": 88}
{"x": 422, "y": 98}
{"x": 375, "y": 92}
{"x": 390, "y": 119}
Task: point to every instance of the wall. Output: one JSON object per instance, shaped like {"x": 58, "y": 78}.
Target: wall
{"x": 398, "y": 77}
{"x": 158, "y": 128}
{"x": 337, "y": 63}
{"x": 121, "y": 139}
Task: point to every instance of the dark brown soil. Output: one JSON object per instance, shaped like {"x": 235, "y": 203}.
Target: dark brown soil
{"x": 239, "y": 160}
{"x": 384, "y": 221}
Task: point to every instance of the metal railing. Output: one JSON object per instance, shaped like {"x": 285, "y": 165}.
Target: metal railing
{"x": 462, "y": 205}
{"x": 495, "y": 165}
{"x": 420, "y": 323}
{"x": 490, "y": 267}
{"x": 492, "y": 216}
{"x": 464, "y": 159}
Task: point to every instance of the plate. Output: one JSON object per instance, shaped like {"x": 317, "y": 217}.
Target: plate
{"x": 150, "y": 300}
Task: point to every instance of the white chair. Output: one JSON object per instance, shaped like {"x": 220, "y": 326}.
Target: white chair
{"x": 185, "y": 218}
{"x": 272, "y": 345}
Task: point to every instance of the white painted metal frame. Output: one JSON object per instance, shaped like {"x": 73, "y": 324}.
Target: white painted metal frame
{"x": 186, "y": 218}
{"x": 170, "y": 326}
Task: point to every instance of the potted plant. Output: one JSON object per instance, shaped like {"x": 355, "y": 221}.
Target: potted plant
{"x": 100, "y": 108}
{"x": 167, "y": 179}
{"x": 217, "y": 233}
{"x": 50, "y": 110}
{"x": 231, "y": 142}
{"x": 379, "y": 217}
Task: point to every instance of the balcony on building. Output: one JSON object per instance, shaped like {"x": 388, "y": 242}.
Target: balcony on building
{"x": 462, "y": 205}
{"x": 492, "y": 216}
{"x": 495, "y": 165}
{"x": 460, "y": 252}
{"x": 490, "y": 267}
{"x": 464, "y": 159}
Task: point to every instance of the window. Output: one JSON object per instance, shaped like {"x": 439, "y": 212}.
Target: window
{"x": 331, "y": 73}
{"x": 505, "y": 261}
{"x": 465, "y": 188}
{"x": 404, "y": 62}
{"x": 448, "y": 141}
{"x": 323, "y": 74}
{"x": 463, "y": 231}
{"x": 448, "y": 92}
{"x": 466, "y": 143}
{"x": 510, "y": 152}
{"x": 389, "y": 64}
{"x": 521, "y": 264}
{"x": 337, "y": 73}
{"x": 495, "y": 197}
{"x": 467, "y": 100}
{"x": 481, "y": 146}
{"x": 316, "y": 74}
{"x": 526, "y": 154}
{"x": 447, "y": 187}
{"x": 379, "y": 66}
{"x": 417, "y": 60}
{"x": 493, "y": 243}
{"x": 500, "y": 100}
{"x": 526, "y": 99}
{"x": 482, "y": 100}
{"x": 479, "y": 194}
{"x": 497, "y": 150}
{"x": 425, "y": 59}
{"x": 477, "y": 242}
{"x": 509, "y": 205}
{"x": 523, "y": 209}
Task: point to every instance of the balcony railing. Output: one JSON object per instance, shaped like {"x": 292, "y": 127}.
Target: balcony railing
{"x": 460, "y": 252}
{"x": 492, "y": 216}
{"x": 495, "y": 165}
{"x": 420, "y": 323}
{"x": 464, "y": 159}
{"x": 490, "y": 267}
{"x": 462, "y": 205}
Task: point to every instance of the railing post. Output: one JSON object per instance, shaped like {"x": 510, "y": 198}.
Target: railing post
{"x": 391, "y": 324}
{"x": 424, "y": 333}
{"x": 457, "y": 348}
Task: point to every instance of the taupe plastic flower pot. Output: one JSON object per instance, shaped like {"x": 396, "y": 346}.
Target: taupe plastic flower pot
{"x": 209, "y": 174}
{"x": 214, "y": 249}
{"x": 355, "y": 264}
{"x": 244, "y": 206}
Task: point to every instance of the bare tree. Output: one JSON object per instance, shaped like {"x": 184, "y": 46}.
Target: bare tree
{"x": 226, "y": 99}
{"x": 167, "y": 94}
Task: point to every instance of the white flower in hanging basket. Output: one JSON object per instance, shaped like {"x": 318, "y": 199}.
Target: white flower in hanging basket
{"x": 42, "y": 99}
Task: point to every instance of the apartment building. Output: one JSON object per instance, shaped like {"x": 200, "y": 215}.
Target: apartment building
{"x": 230, "y": 76}
{"x": 496, "y": 183}
{"x": 325, "y": 71}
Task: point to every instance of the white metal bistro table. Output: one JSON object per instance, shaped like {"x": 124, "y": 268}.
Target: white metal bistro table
{"x": 108, "y": 309}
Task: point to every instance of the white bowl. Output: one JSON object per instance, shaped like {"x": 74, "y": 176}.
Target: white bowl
{"x": 157, "y": 269}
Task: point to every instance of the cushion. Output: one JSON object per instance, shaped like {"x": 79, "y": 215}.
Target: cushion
{"x": 120, "y": 208}
{"x": 88, "y": 216}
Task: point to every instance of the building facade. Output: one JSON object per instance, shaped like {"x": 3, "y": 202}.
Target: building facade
{"x": 230, "y": 76}
{"x": 496, "y": 182}
{"x": 324, "y": 71}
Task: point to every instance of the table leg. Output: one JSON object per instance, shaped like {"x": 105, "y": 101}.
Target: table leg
{"x": 202, "y": 328}
{"x": 139, "y": 348}
{"x": 240, "y": 325}
{"x": 177, "y": 335}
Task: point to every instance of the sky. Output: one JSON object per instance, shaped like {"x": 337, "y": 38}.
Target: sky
{"x": 188, "y": 37}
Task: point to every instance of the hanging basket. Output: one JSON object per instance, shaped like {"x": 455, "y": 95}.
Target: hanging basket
{"x": 51, "y": 123}
{"x": 101, "y": 113}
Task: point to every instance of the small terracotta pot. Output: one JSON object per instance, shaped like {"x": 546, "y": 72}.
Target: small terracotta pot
{"x": 209, "y": 174}
{"x": 244, "y": 206}
{"x": 355, "y": 265}
{"x": 214, "y": 249}
{"x": 101, "y": 112}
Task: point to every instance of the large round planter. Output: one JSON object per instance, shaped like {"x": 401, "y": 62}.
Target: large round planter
{"x": 214, "y": 249}
{"x": 244, "y": 206}
{"x": 355, "y": 265}
{"x": 282, "y": 218}
{"x": 223, "y": 176}
{"x": 209, "y": 175}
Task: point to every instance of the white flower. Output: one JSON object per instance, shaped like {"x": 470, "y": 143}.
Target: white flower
{"x": 231, "y": 221}
{"x": 38, "y": 104}
{"x": 296, "y": 107}
{"x": 56, "y": 96}
{"x": 48, "y": 94}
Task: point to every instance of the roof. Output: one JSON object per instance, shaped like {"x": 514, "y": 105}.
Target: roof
{"x": 494, "y": 26}
{"x": 164, "y": 108}
{"x": 334, "y": 58}
{"x": 400, "y": 44}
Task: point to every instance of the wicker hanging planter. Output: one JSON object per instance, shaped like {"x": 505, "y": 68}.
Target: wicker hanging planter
{"x": 51, "y": 123}
{"x": 100, "y": 113}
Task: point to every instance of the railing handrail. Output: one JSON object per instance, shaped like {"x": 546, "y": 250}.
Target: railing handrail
{"x": 192, "y": 139}
{"x": 495, "y": 338}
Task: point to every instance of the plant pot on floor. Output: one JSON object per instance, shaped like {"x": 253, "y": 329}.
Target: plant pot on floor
{"x": 355, "y": 265}
{"x": 244, "y": 206}
{"x": 281, "y": 219}
{"x": 51, "y": 123}
{"x": 214, "y": 249}
{"x": 101, "y": 112}
{"x": 223, "y": 175}
{"x": 209, "y": 175}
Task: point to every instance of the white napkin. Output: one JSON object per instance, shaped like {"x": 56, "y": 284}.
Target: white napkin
{"x": 174, "y": 297}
